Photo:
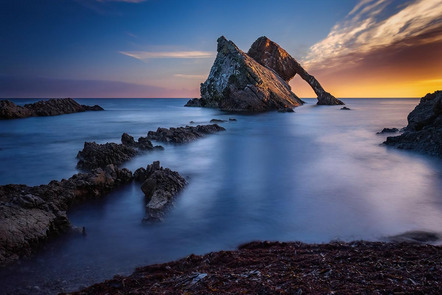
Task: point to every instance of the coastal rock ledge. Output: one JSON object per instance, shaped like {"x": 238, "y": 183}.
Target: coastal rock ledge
{"x": 43, "y": 108}
{"x": 29, "y": 216}
{"x": 424, "y": 130}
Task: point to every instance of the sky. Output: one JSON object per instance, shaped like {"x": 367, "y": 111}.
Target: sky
{"x": 165, "y": 48}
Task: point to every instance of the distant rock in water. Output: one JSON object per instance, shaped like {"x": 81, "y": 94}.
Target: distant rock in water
{"x": 238, "y": 83}
{"x": 183, "y": 134}
{"x": 345, "y": 109}
{"x": 424, "y": 130}
{"x": 160, "y": 186}
{"x": 51, "y": 107}
{"x": 271, "y": 55}
{"x": 30, "y": 215}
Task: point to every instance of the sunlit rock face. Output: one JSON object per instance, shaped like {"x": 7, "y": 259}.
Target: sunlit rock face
{"x": 238, "y": 83}
{"x": 271, "y": 55}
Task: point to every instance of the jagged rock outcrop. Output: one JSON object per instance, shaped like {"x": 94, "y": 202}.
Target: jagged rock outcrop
{"x": 424, "y": 130}
{"x": 271, "y": 55}
{"x": 96, "y": 155}
{"x": 30, "y": 215}
{"x": 51, "y": 107}
{"x": 238, "y": 83}
{"x": 160, "y": 186}
{"x": 183, "y": 134}
{"x": 143, "y": 143}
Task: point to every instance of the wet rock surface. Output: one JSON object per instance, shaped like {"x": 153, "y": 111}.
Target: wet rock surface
{"x": 291, "y": 268}
{"x": 29, "y": 216}
{"x": 51, "y": 107}
{"x": 424, "y": 130}
{"x": 183, "y": 134}
{"x": 160, "y": 186}
{"x": 271, "y": 55}
{"x": 238, "y": 83}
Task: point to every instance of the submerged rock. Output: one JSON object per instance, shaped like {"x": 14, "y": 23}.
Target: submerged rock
{"x": 183, "y": 134}
{"x": 238, "y": 83}
{"x": 30, "y": 215}
{"x": 271, "y": 55}
{"x": 424, "y": 130}
{"x": 51, "y": 107}
{"x": 160, "y": 186}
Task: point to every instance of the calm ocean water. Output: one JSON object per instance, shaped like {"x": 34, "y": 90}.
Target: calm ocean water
{"x": 316, "y": 175}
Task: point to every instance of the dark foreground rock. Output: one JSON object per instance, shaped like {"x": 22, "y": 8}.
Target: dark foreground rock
{"x": 271, "y": 55}
{"x": 291, "y": 268}
{"x": 160, "y": 186}
{"x": 51, "y": 107}
{"x": 31, "y": 215}
{"x": 424, "y": 130}
{"x": 183, "y": 134}
{"x": 238, "y": 83}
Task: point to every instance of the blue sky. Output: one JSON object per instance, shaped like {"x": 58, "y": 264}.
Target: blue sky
{"x": 165, "y": 48}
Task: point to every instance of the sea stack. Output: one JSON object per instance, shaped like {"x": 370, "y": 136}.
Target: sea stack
{"x": 271, "y": 55}
{"x": 238, "y": 83}
{"x": 424, "y": 130}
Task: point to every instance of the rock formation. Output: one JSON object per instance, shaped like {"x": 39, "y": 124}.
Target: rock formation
{"x": 30, "y": 215}
{"x": 183, "y": 134}
{"x": 424, "y": 130}
{"x": 271, "y": 55}
{"x": 160, "y": 186}
{"x": 51, "y": 107}
{"x": 238, "y": 83}
{"x": 96, "y": 155}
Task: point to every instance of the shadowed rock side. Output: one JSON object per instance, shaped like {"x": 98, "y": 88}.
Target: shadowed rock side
{"x": 183, "y": 134}
{"x": 160, "y": 186}
{"x": 51, "y": 107}
{"x": 238, "y": 83}
{"x": 96, "y": 155}
{"x": 424, "y": 130}
{"x": 291, "y": 268}
{"x": 30, "y": 215}
{"x": 271, "y": 55}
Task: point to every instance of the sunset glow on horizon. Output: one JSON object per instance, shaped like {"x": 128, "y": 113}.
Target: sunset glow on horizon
{"x": 136, "y": 48}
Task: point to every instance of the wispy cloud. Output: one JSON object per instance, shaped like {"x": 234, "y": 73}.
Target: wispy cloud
{"x": 146, "y": 55}
{"x": 187, "y": 76}
{"x": 376, "y": 24}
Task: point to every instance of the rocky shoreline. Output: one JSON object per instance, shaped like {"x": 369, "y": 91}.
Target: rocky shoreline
{"x": 291, "y": 268}
{"x": 29, "y": 216}
{"x": 43, "y": 108}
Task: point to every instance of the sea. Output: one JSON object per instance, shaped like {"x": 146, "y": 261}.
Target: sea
{"x": 320, "y": 174}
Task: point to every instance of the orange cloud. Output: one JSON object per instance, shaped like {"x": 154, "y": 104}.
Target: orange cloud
{"x": 374, "y": 53}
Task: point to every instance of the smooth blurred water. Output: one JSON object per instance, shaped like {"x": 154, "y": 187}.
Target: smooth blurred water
{"x": 316, "y": 175}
